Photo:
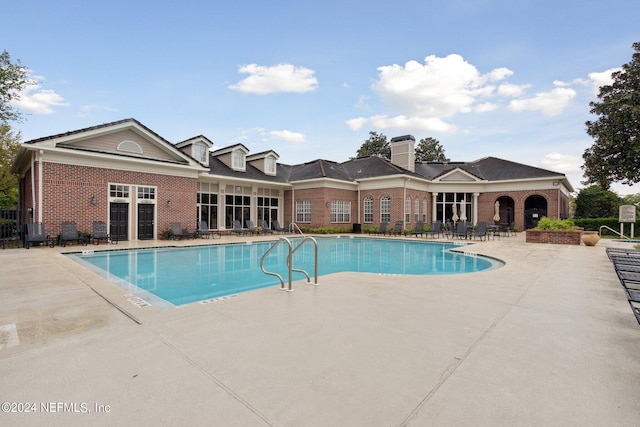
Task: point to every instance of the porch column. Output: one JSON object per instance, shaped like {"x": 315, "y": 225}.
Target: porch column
{"x": 434, "y": 205}
{"x": 475, "y": 208}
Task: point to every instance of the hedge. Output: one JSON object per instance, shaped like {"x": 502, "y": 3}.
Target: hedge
{"x": 593, "y": 224}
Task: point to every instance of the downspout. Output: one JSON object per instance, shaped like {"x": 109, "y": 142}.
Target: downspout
{"x": 404, "y": 202}
{"x": 41, "y": 155}
{"x": 33, "y": 187}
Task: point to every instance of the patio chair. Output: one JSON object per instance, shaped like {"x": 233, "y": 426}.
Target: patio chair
{"x": 275, "y": 227}
{"x": 265, "y": 227}
{"x": 251, "y": 228}
{"x": 237, "y": 228}
{"x": 461, "y": 230}
{"x": 203, "y": 230}
{"x": 480, "y": 231}
{"x": 176, "y": 231}
{"x": 70, "y": 234}
{"x": 397, "y": 228}
{"x": 419, "y": 229}
{"x": 36, "y": 234}
{"x": 382, "y": 229}
{"x": 99, "y": 232}
{"x": 436, "y": 229}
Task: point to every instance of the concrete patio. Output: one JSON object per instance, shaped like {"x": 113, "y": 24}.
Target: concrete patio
{"x": 546, "y": 340}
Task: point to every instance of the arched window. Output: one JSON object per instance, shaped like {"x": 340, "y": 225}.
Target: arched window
{"x": 368, "y": 209}
{"x": 129, "y": 147}
{"x": 416, "y": 210}
{"x": 407, "y": 209}
{"x": 385, "y": 209}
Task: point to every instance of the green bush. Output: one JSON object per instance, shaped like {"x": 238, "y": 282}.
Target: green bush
{"x": 557, "y": 224}
{"x": 593, "y": 224}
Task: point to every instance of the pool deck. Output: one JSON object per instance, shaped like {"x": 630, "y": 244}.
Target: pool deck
{"x": 547, "y": 340}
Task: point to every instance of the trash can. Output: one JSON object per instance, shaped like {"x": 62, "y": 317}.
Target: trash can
{"x": 357, "y": 228}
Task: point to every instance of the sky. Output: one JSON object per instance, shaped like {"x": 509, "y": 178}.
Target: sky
{"x": 309, "y": 80}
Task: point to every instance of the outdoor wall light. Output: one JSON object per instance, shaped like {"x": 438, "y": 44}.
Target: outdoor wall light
{"x": 168, "y": 203}
{"x": 93, "y": 200}
{"x": 556, "y": 183}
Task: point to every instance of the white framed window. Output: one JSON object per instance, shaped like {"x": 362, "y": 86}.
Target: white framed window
{"x": 340, "y": 211}
{"x": 416, "y": 210}
{"x": 146, "y": 193}
{"x": 200, "y": 152}
{"x": 303, "y": 211}
{"x": 385, "y": 209}
{"x": 368, "y": 209}
{"x": 270, "y": 165}
{"x": 238, "y": 160}
{"x": 424, "y": 210}
{"x": 119, "y": 191}
{"x": 407, "y": 209}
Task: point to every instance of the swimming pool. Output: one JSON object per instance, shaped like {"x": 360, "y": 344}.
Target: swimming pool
{"x": 177, "y": 276}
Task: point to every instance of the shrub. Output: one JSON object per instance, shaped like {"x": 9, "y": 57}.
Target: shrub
{"x": 556, "y": 224}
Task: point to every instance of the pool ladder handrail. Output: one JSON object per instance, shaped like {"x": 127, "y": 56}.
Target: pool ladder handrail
{"x": 290, "y": 268}
{"x": 292, "y": 228}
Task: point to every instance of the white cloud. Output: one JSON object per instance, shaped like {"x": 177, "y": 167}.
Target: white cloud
{"x": 287, "y": 136}
{"x": 37, "y": 100}
{"x": 263, "y": 80}
{"x": 550, "y": 103}
{"x": 601, "y": 79}
{"x": 559, "y": 162}
{"x": 357, "y": 123}
{"x": 511, "y": 90}
{"x": 423, "y": 95}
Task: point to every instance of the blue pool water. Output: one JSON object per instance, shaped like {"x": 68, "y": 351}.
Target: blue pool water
{"x": 184, "y": 275}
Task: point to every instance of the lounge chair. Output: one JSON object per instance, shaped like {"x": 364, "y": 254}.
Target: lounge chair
{"x": 480, "y": 231}
{"x": 251, "y": 228}
{"x": 398, "y": 228}
{"x": 99, "y": 232}
{"x": 36, "y": 234}
{"x": 419, "y": 229}
{"x": 436, "y": 229}
{"x": 70, "y": 234}
{"x": 237, "y": 228}
{"x": 461, "y": 230}
{"x": 382, "y": 229}
{"x": 176, "y": 231}
{"x": 203, "y": 230}
{"x": 275, "y": 227}
{"x": 265, "y": 227}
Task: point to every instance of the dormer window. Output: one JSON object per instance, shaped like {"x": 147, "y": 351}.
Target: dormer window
{"x": 238, "y": 160}
{"x": 200, "y": 153}
{"x": 270, "y": 165}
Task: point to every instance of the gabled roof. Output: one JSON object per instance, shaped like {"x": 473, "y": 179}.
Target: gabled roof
{"x": 374, "y": 167}
{"x": 198, "y": 138}
{"x": 319, "y": 169}
{"x": 82, "y": 140}
{"x": 217, "y": 167}
{"x": 230, "y": 148}
{"x": 488, "y": 169}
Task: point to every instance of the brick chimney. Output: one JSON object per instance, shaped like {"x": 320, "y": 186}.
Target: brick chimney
{"x": 403, "y": 152}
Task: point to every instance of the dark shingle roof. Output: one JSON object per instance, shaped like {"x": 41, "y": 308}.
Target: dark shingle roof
{"x": 488, "y": 168}
{"x": 216, "y": 167}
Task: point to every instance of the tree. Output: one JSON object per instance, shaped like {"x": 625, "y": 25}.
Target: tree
{"x": 615, "y": 155}
{"x": 597, "y": 202}
{"x": 430, "y": 150}
{"x": 13, "y": 79}
{"x": 9, "y": 145}
{"x": 376, "y": 145}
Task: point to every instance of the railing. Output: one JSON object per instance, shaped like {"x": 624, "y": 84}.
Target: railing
{"x": 290, "y": 268}
{"x": 612, "y": 230}
{"x": 293, "y": 227}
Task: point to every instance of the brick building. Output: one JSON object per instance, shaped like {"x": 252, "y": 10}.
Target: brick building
{"x": 128, "y": 176}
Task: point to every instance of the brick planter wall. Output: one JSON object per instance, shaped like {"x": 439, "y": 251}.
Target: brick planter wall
{"x": 557, "y": 237}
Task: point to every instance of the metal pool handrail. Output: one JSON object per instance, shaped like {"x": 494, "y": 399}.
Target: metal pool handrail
{"x": 315, "y": 262}
{"x": 290, "y": 262}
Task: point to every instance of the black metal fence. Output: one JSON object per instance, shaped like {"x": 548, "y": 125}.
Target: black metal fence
{"x": 10, "y": 225}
